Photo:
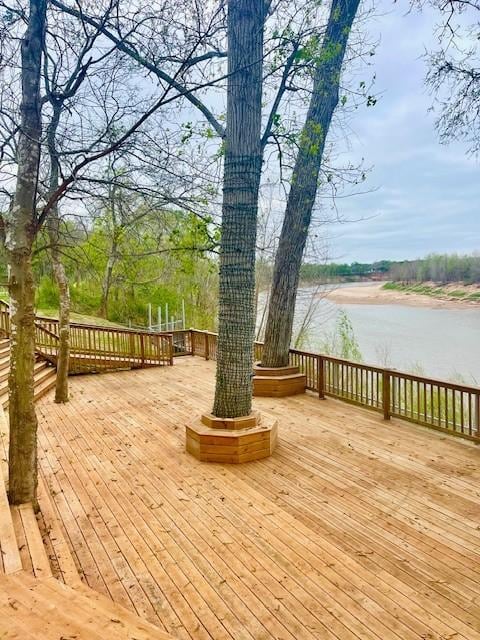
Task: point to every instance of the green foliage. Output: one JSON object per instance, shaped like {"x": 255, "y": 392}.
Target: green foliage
{"x": 432, "y": 290}
{"x": 46, "y": 293}
{"x": 441, "y": 269}
{"x": 334, "y": 272}
{"x": 342, "y": 343}
{"x": 160, "y": 258}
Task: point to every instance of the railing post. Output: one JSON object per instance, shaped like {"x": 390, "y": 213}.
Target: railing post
{"x": 207, "y": 346}
{"x": 476, "y": 416}
{"x": 170, "y": 346}
{"x": 142, "y": 348}
{"x": 320, "y": 378}
{"x": 192, "y": 341}
{"x": 386, "y": 394}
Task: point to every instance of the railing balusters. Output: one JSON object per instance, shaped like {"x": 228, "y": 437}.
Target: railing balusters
{"x": 442, "y": 405}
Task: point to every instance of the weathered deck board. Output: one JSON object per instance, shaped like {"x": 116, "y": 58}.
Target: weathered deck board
{"x": 354, "y": 528}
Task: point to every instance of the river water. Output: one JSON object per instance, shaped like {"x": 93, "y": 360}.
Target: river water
{"x": 440, "y": 343}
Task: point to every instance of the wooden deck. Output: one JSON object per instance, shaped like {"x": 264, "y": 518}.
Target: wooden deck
{"x": 354, "y": 528}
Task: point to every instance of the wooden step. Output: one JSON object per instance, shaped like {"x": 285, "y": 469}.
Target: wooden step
{"x": 51, "y": 610}
{"x": 38, "y": 366}
{"x": 4, "y": 435}
{"x": 44, "y": 380}
{"x": 29, "y": 541}
{"x": 45, "y": 383}
{"x": 4, "y": 360}
{"x": 10, "y": 561}
{"x": 43, "y": 373}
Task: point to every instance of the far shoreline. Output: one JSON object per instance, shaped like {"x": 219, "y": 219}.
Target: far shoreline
{"x": 375, "y": 294}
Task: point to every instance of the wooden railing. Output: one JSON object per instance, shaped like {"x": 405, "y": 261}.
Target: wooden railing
{"x": 4, "y": 318}
{"x": 98, "y": 348}
{"x": 446, "y": 406}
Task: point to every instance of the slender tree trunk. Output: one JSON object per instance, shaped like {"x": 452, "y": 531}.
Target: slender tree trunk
{"x": 304, "y": 184}
{"x": 107, "y": 282}
{"x": 20, "y": 234}
{"x": 63, "y": 352}
{"x": 112, "y": 256}
{"x": 242, "y": 172}
{"x": 59, "y": 273}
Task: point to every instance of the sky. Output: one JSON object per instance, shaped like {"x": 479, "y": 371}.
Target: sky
{"x": 423, "y": 197}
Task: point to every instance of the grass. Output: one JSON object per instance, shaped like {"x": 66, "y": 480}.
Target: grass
{"x": 434, "y": 291}
{"x": 79, "y": 318}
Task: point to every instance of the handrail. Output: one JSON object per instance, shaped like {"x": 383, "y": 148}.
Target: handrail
{"x": 50, "y": 333}
{"x": 438, "y": 404}
{"x": 98, "y": 348}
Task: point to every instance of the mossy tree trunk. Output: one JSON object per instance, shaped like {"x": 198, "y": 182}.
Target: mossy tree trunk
{"x": 304, "y": 184}
{"x": 20, "y": 234}
{"x": 242, "y": 172}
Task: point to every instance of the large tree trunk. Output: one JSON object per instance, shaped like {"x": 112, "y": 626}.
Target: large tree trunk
{"x": 304, "y": 184}
{"x": 243, "y": 164}
{"x": 59, "y": 273}
{"x": 21, "y": 229}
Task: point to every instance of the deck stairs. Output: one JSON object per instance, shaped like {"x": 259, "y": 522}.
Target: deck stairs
{"x": 44, "y": 374}
{"x": 35, "y": 604}
{"x": 42, "y": 596}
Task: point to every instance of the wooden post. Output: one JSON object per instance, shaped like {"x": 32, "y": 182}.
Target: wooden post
{"x": 142, "y": 348}
{"x": 207, "y": 347}
{"x": 132, "y": 345}
{"x": 476, "y": 415}
{"x": 321, "y": 378}
{"x": 192, "y": 341}
{"x": 386, "y": 394}
{"x": 170, "y": 346}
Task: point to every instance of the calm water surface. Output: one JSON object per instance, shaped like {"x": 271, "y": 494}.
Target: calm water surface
{"x": 442, "y": 343}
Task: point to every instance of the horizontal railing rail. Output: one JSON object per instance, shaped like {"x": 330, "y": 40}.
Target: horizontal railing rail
{"x": 97, "y": 348}
{"x": 438, "y": 404}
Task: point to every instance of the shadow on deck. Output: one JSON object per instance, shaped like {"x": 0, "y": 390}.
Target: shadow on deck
{"x": 354, "y": 528}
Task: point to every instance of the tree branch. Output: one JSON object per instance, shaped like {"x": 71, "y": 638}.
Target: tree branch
{"x": 153, "y": 68}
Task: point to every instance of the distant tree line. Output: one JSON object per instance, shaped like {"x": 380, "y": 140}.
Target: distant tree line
{"x": 354, "y": 271}
{"x": 441, "y": 268}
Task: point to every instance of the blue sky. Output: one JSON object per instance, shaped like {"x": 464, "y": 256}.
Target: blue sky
{"x": 425, "y": 195}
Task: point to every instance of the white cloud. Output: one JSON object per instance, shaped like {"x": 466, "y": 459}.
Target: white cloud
{"x": 427, "y": 194}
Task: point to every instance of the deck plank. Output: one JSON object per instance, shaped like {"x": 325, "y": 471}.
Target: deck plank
{"x": 353, "y": 529}
{"x": 48, "y": 609}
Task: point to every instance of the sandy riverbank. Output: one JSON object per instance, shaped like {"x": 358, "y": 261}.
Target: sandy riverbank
{"x": 375, "y": 294}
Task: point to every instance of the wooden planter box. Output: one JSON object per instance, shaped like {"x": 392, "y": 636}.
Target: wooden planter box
{"x": 278, "y": 382}
{"x": 231, "y": 440}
